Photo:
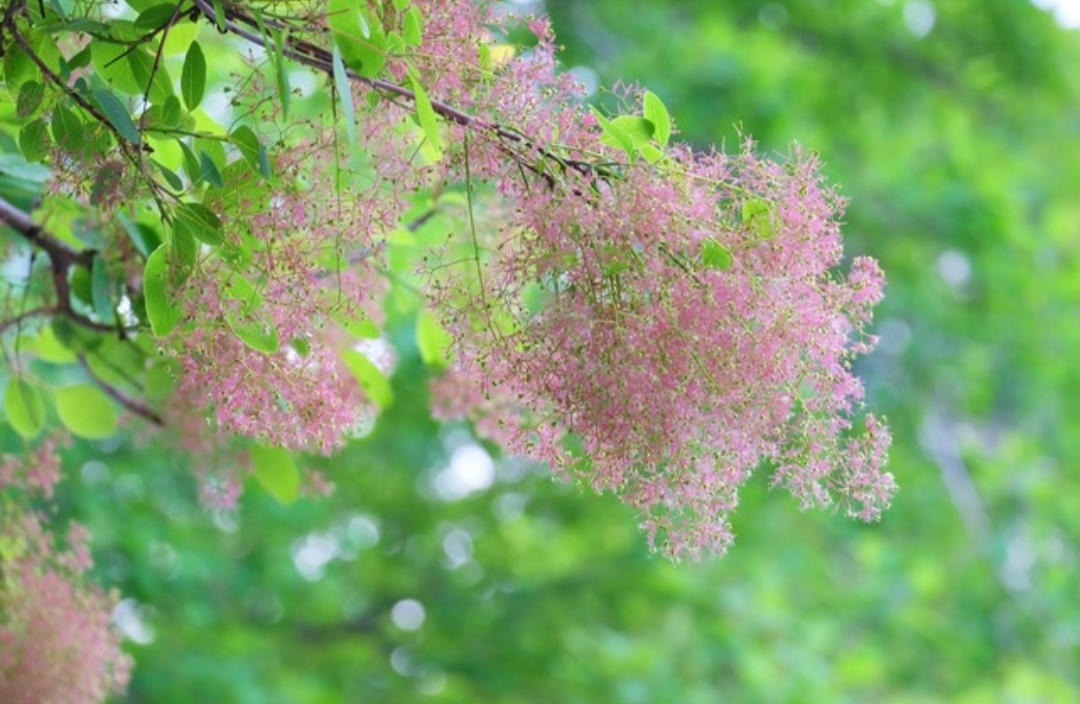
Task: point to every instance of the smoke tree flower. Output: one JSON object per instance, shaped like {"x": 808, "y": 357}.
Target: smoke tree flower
{"x": 644, "y": 318}
{"x": 56, "y": 640}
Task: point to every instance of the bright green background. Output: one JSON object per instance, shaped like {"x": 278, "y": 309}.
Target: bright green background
{"x": 959, "y": 152}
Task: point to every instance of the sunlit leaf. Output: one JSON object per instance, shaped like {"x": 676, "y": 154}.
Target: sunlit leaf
{"x": 193, "y": 76}
{"x": 715, "y": 255}
{"x": 657, "y": 114}
{"x": 344, "y": 91}
{"x": 425, "y": 115}
{"x": 275, "y": 469}
{"x": 432, "y": 340}
{"x": 161, "y": 309}
{"x": 370, "y": 377}
{"x": 24, "y": 406}
{"x": 86, "y": 411}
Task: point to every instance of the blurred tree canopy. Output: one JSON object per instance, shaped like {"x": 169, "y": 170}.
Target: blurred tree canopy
{"x": 435, "y": 574}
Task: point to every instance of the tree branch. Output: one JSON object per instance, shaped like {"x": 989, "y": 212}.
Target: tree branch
{"x": 62, "y": 258}
{"x": 123, "y": 399}
{"x": 320, "y": 59}
{"x": 60, "y": 253}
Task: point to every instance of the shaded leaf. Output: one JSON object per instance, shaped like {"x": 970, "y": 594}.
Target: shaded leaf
{"x": 118, "y": 116}
{"x": 275, "y": 469}
{"x": 198, "y": 221}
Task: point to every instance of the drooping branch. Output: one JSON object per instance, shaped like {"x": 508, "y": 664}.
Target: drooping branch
{"x": 239, "y": 23}
{"x": 62, "y": 259}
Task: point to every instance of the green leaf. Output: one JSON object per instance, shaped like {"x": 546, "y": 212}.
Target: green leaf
{"x": 118, "y": 115}
{"x": 757, "y": 214}
{"x": 170, "y": 176}
{"x": 30, "y": 96}
{"x": 34, "y": 140}
{"x": 344, "y": 91}
{"x": 48, "y": 347}
{"x": 172, "y": 113}
{"x": 155, "y": 17}
{"x": 101, "y": 290}
{"x": 432, "y": 340}
{"x": 651, "y": 153}
{"x": 209, "y": 169}
{"x": 358, "y": 36}
{"x": 363, "y": 328}
{"x": 370, "y": 377}
{"x": 191, "y": 164}
{"x": 413, "y": 27}
{"x": 86, "y": 411}
{"x": 275, "y": 47}
{"x": 425, "y": 114}
{"x": 144, "y": 237}
{"x": 612, "y": 135}
{"x": 161, "y": 378}
{"x": 193, "y": 76}
{"x": 200, "y": 222}
{"x": 251, "y": 149}
{"x": 249, "y": 327}
{"x": 715, "y": 255}
{"x": 158, "y": 291}
{"x": 275, "y": 469}
{"x": 111, "y": 65}
{"x": 24, "y": 406}
{"x": 152, "y": 79}
{"x": 343, "y": 16}
{"x": 68, "y": 130}
{"x": 638, "y": 129}
{"x": 657, "y": 114}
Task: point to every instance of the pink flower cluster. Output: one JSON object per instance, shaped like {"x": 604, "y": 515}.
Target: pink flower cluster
{"x": 56, "y": 642}
{"x": 663, "y": 330}
{"x": 312, "y": 257}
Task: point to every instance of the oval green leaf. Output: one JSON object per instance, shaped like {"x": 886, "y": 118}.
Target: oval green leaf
{"x": 198, "y": 221}
{"x": 157, "y": 289}
{"x": 275, "y": 469}
{"x": 425, "y": 115}
{"x": 34, "y": 141}
{"x": 715, "y": 255}
{"x": 118, "y": 116}
{"x": 657, "y": 114}
{"x": 86, "y": 411}
{"x": 371, "y": 379}
{"x": 193, "y": 76}
{"x": 24, "y": 406}
{"x": 432, "y": 340}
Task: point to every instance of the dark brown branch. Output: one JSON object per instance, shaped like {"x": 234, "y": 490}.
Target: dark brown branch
{"x": 62, "y": 258}
{"x": 26, "y": 315}
{"x": 60, "y": 253}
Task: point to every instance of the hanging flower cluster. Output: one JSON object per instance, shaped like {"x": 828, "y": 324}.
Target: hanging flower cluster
{"x": 56, "y": 641}
{"x": 658, "y": 322}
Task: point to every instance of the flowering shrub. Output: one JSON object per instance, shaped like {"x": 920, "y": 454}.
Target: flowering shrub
{"x": 218, "y": 244}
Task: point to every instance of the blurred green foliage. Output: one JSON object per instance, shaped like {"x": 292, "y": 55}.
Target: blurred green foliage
{"x": 952, "y": 134}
